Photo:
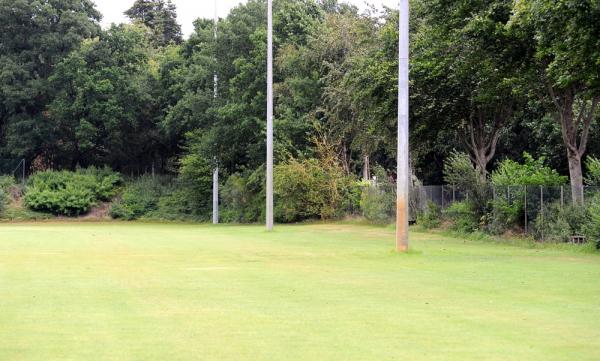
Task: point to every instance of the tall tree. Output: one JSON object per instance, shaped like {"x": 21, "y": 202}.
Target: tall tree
{"x": 467, "y": 58}
{"x": 564, "y": 53}
{"x": 161, "y": 17}
{"x": 104, "y": 111}
{"x": 34, "y": 37}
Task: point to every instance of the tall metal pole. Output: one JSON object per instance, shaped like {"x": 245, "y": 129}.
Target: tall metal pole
{"x": 216, "y": 164}
{"x": 269, "y": 220}
{"x": 402, "y": 183}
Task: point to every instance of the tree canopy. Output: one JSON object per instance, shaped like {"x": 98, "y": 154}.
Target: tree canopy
{"x": 493, "y": 79}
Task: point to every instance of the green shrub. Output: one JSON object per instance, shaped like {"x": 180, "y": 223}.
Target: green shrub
{"x": 507, "y": 211}
{"x": 194, "y": 188}
{"x": 69, "y": 193}
{"x": 462, "y": 216}
{"x": 509, "y": 181}
{"x": 243, "y": 197}
{"x": 431, "y": 217}
{"x": 308, "y": 189}
{"x": 141, "y": 197}
{"x": 7, "y": 183}
{"x": 559, "y": 224}
{"x": 377, "y": 204}
{"x": 3, "y": 200}
{"x": 460, "y": 172}
{"x": 531, "y": 172}
{"x": 592, "y": 165}
{"x": 591, "y": 229}
{"x": 378, "y": 201}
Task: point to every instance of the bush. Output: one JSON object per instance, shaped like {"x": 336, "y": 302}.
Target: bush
{"x": 194, "y": 188}
{"x": 69, "y": 193}
{"x": 460, "y": 172}
{"x": 308, "y": 189}
{"x": 7, "y": 185}
{"x": 243, "y": 197}
{"x": 508, "y": 206}
{"x": 431, "y": 217}
{"x": 3, "y": 200}
{"x": 593, "y": 171}
{"x": 378, "y": 201}
{"x": 556, "y": 224}
{"x": 591, "y": 229}
{"x": 531, "y": 172}
{"x": 141, "y": 197}
{"x": 462, "y": 216}
{"x": 377, "y": 204}
{"x": 507, "y": 210}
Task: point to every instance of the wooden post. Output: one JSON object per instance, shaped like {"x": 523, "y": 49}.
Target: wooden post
{"x": 453, "y": 194}
{"x": 525, "y": 206}
{"x": 542, "y": 209}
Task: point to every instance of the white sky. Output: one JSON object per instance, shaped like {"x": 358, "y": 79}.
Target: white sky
{"x": 190, "y": 10}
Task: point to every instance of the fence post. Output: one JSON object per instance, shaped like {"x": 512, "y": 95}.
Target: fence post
{"x": 453, "y": 194}
{"x": 562, "y": 197}
{"x": 542, "y": 211}
{"x": 525, "y": 207}
{"x": 442, "y": 196}
{"x": 23, "y": 180}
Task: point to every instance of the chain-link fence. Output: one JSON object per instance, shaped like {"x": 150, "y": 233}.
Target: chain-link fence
{"x": 521, "y": 208}
{"x": 14, "y": 167}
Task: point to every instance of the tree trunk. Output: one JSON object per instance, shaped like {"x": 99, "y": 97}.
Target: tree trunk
{"x": 366, "y": 168}
{"x": 481, "y": 162}
{"x": 575, "y": 129}
{"x": 484, "y": 135}
{"x": 576, "y": 175}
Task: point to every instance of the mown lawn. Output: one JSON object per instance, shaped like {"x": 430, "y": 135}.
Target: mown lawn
{"x": 139, "y": 291}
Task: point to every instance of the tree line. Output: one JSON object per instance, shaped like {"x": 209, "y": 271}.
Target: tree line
{"x": 494, "y": 78}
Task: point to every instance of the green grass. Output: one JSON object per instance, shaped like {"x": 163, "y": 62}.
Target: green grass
{"x": 142, "y": 291}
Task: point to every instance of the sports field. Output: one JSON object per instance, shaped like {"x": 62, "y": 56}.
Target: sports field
{"x": 155, "y": 292}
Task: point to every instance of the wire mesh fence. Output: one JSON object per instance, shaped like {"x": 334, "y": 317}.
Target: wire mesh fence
{"x": 16, "y": 168}
{"x": 525, "y": 208}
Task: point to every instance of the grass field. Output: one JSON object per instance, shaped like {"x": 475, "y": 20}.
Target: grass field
{"x": 117, "y": 291}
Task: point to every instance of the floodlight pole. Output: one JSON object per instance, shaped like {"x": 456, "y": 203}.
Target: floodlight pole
{"x": 216, "y": 164}
{"x": 269, "y": 192}
{"x": 403, "y": 177}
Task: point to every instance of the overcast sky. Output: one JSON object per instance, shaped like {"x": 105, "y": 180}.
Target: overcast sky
{"x": 190, "y": 10}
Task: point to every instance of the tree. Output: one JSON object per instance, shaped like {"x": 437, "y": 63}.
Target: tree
{"x": 160, "y": 17}
{"x": 564, "y": 50}
{"x": 34, "y": 37}
{"x": 345, "y": 39}
{"x": 470, "y": 62}
{"x": 233, "y": 126}
{"x": 103, "y": 111}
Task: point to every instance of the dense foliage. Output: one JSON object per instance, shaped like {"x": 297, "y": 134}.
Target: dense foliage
{"x": 491, "y": 81}
{"x": 70, "y": 193}
{"x": 141, "y": 197}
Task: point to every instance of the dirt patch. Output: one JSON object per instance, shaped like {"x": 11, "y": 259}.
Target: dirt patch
{"x": 101, "y": 211}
